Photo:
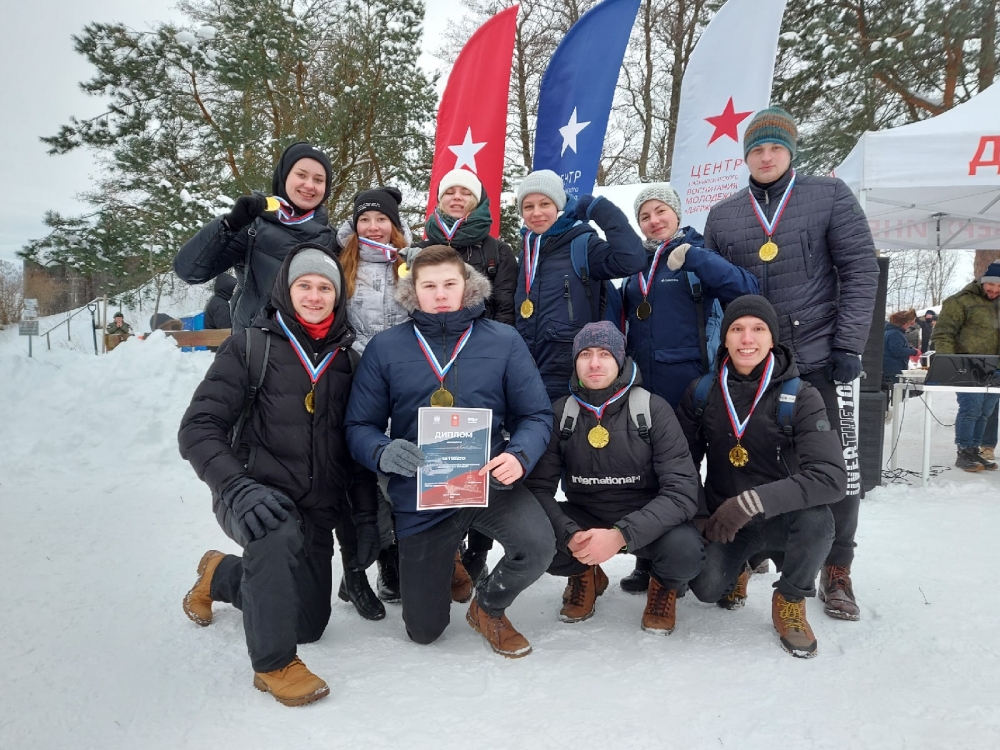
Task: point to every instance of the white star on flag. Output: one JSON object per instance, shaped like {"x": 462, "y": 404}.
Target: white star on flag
{"x": 466, "y": 152}
{"x": 570, "y": 131}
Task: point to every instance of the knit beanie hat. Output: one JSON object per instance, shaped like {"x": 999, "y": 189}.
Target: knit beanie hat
{"x": 461, "y": 178}
{"x": 659, "y": 191}
{"x": 771, "y": 125}
{"x": 545, "y": 182}
{"x": 311, "y": 260}
{"x": 992, "y": 274}
{"x": 385, "y": 199}
{"x": 750, "y": 304}
{"x": 602, "y": 335}
{"x": 286, "y": 161}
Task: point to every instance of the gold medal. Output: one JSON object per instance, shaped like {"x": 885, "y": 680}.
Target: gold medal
{"x": 644, "y": 310}
{"x": 403, "y": 271}
{"x": 272, "y": 204}
{"x": 527, "y": 308}
{"x": 442, "y": 397}
{"x": 599, "y": 436}
{"x": 738, "y": 456}
{"x": 768, "y": 251}
{"x": 311, "y": 401}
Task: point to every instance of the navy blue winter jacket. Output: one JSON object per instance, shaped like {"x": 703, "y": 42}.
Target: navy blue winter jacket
{"x": 896, "y": 352}
{"x": 493, "y": 371}
{"x": 560, "y": 299}
{"x": 667, "y": 344}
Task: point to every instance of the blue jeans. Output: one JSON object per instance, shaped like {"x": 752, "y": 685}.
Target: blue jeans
{"x": 974, "y": 409}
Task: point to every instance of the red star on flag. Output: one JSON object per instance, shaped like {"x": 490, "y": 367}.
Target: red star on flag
{"x": 727, "y": 123}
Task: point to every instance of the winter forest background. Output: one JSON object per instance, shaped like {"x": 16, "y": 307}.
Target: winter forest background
{"x": 197, "y": 112}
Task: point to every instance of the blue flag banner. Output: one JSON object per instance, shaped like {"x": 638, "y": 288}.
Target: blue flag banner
{"x": 577, "y": 91}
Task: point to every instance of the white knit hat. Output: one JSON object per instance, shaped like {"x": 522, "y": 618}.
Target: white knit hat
{"x": 461, "y": 178}
{"x": 547, "y": 183}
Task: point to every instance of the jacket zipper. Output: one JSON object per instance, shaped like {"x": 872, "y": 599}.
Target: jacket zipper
{"x": 781, "y": 457}
{"x": 569, "y": 300}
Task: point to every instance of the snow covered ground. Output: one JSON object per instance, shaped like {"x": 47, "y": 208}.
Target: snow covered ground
{"x": 102, "y": 525}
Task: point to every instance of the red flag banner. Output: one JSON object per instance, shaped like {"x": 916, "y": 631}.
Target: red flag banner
{"x": 472, "y": 117}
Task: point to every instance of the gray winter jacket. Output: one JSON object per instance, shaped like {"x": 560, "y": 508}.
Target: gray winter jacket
{"x": 823, "y": 281}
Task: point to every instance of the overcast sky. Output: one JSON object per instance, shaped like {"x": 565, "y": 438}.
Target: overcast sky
{"x": 41, "y": 92}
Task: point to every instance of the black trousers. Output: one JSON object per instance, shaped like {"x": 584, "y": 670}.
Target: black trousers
{"x": 427, "y": 559}
{"x": 676, "y": 556}
{"x": 804, "y": 536}
{"x": 282, "y": 584}
{"x": 845, "y": 512}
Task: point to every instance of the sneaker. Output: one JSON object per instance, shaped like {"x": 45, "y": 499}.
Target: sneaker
{"x": 789, "y": 618}
{"x": 198, "y": 601}
{"x": 660, "y": 615}
{"x": 293, "y": 685}
{"x": 637, "y": 582}
{"x": 736, "y": 598}
{"x": 461, "y": 581}
{"x": 968, "y": 460}
{"x": 498, "y": 632}
{"x": 987, "y": 453}
{"x": 837, "y": 593}
{"x": 580, "y": 595}
{"x": 387, "y": 582}
{"x": 986, "y": 461}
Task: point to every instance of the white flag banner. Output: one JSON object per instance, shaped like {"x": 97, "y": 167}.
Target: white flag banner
{"x": 727, "y": 80}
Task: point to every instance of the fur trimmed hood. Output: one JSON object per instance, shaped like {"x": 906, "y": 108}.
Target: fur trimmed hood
{"x": 477, "y": 290}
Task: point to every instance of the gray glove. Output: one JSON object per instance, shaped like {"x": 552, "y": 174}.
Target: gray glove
{"x": 401, "y": 457}
{"x": 676, "y": 258}
{"x": 257, "y": 507}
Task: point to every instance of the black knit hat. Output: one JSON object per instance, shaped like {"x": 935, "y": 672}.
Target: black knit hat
{"x": 287, "y": 160}
{"x": 385, "y": 199}
{"x": 750, "y": 304}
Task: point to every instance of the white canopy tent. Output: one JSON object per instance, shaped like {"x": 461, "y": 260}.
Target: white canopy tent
{"x": 935, "y": 183}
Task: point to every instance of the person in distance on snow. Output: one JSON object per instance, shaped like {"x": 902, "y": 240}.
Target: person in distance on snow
{"x": 624, "y": 490}
{"x": 450, "y": 353}
{"x": 280, "y": 486}
{"x": 768, "y": 485}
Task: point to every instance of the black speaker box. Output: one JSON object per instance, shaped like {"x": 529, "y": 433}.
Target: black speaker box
{"x": 871, "y": 434}
{"x": 871, "y": 358}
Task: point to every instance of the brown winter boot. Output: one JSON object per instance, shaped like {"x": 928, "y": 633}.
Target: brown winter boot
{"x": 198, "y": 601}
{"x": 293, "y": 685}
{"x": 461, "y": 581}
{"x": 736, "y": 598}
{"x": 580, "y": 595}
{"x": 789, "y": 620}
{"x": 660, "y": 615}
{"x": 837, "y": 593}
{"x": 498, "y": 632}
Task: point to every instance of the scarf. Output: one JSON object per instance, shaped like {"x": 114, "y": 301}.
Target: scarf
{"x": 473, "y": 230}
{"x": 316, "y": 331}
{"x": 651, "y": 245}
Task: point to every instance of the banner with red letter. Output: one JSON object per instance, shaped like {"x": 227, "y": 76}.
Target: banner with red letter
{"x": 472, "y": 117}
{"x": 727, "y": 80}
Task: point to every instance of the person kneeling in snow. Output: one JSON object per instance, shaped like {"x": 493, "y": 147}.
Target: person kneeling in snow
{"x": 450, "y": 353}
{"x": 629, "y": 480}
{"x": 282, "y": 482}
{"x": 772, "y": 470}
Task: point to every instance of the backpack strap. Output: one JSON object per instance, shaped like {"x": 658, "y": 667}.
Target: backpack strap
{"x": 639, "y": 413}
{"x": 570, "y": 416}
{"x": 354, "y": 358}
{"x": 258, "y": 350}
{"x": 694, "y": 284}
{"x": 786, "y": 405}
{"x": 701, "y": 391}
{"x": 491, "y": 254}
{"x": 581, "y": 262}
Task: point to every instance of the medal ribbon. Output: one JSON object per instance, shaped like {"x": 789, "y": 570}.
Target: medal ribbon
{"x": 740, "y": 427}
{"x": 448, "y": 233}
{"x": 286, "y": 214}
{"x": 530, "y": 260}
{"x": 770, "y": 226}
{"x": 440, "y": 371}
{"x": 645, "y": 282}
{"x": 388, "y": 251}
{"x": 314, "y": 372}
{"x": 599, "y": 411}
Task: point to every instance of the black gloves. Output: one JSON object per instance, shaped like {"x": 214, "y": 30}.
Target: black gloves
{"x": 843, "y": 367}
{"x": 732, "y": 516}
{"x": 582, "y": 206}
{"x": 257, "y": 508}
{"x": 369, "y": 539}
{"x": 401, "y": 457}
{"x": 246, "y": 209}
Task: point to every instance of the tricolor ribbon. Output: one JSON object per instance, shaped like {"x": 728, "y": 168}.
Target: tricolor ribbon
{"x": 599, "y": 411}
{"x": 440, "y": 371}
{"x": 448, "y": 233}
{"x": 389, "y": 251}
{"x": 645, "y": 282}
{"x": 314, "y": 372}
{"x": 770, "y": 226}
{"x": 286, "y": 213}
{"x": 530, "y": 260}
{"x": 740, "y": 427}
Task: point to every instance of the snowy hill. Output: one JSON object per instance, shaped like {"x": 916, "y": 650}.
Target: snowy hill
{"x": 102, "y": 525}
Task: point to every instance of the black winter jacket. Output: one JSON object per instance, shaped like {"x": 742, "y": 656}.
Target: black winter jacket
{"x": 787, "y": 474}
{"x": 217, "y": 310}
{"x": 822, "y": 283}
{"x": 304, "y": 455}
{"x": 643, "y": 489}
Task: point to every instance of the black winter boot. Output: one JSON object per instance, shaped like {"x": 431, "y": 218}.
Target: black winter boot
{"x": 637, "y": 582}
{"x": 354, "y": 588}
{"x": 388, "y": 575}
{"x": 968, "y": 460}
{"x": 985, "y": 462}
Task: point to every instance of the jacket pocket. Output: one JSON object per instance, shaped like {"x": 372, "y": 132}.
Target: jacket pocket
{"x": 813, "y": 330}
{"x": 569, "y": 300}
{"x": 807, "y": 252}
